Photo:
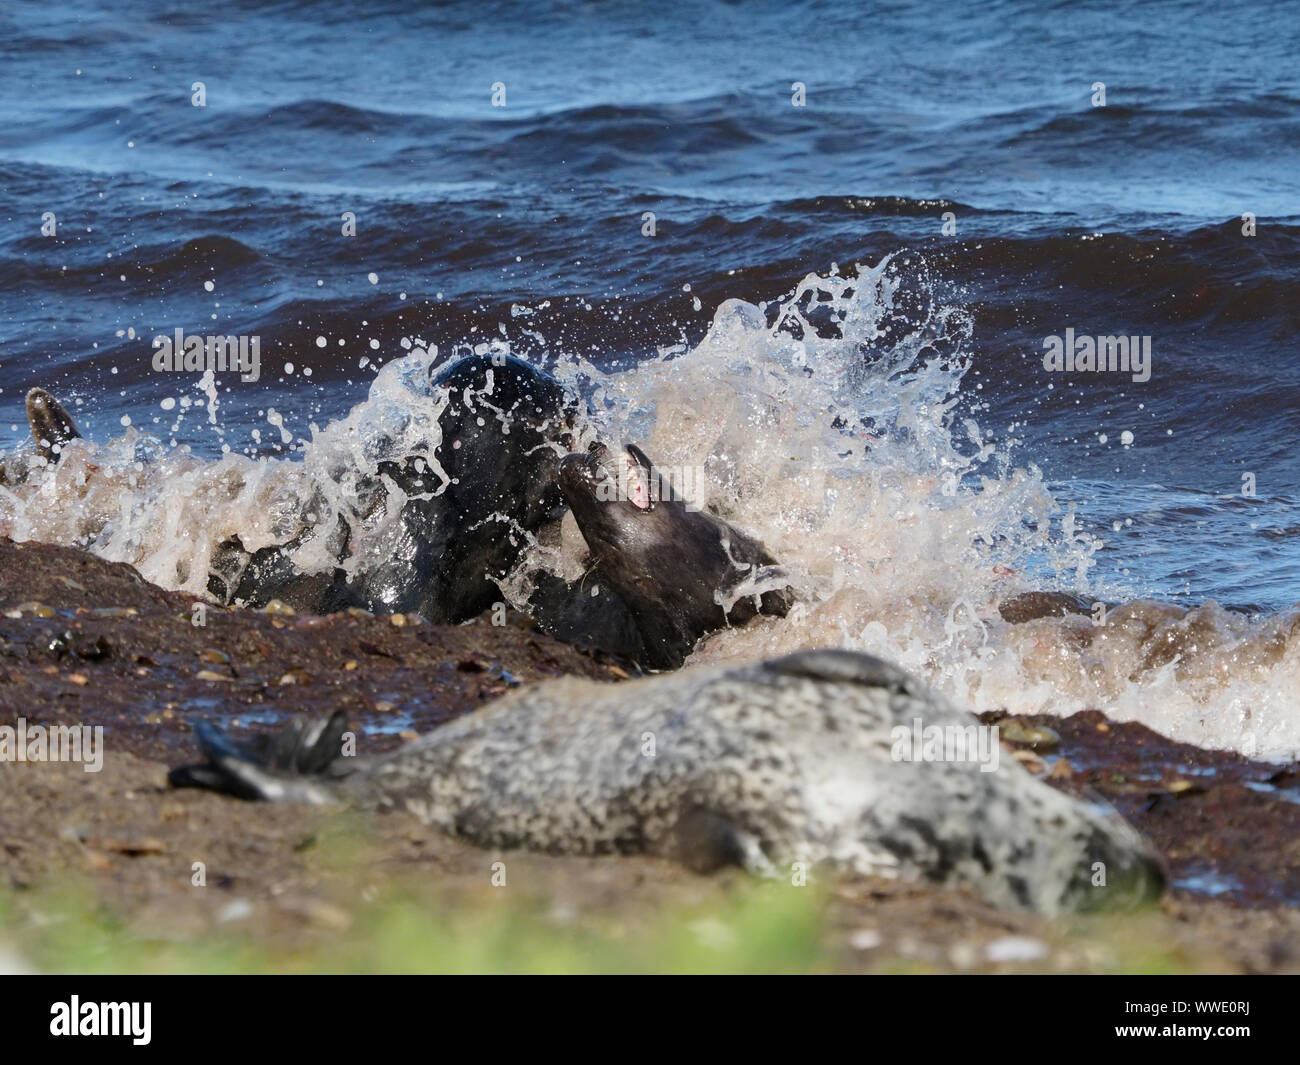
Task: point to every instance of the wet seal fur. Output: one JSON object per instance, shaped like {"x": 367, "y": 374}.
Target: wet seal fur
{"x": 502, "y": 431}
{"x": 760, "y": 765}
{"x": 673, "y": 567}
{"x": 661, "y": 570}
{"x": 52, "y": 429}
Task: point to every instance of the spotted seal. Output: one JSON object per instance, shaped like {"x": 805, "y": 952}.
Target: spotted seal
{"x": 794, "y": 759}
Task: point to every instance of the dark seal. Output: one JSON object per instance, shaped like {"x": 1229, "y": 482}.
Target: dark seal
{"x": 468, "y": 506}
{"x": 682, "y": 573}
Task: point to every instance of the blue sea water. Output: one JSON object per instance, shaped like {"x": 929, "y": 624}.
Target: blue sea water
{"x": 1117, "y": 219}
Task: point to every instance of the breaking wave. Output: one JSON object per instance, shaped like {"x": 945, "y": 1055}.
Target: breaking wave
{"x": 837, "y": 425}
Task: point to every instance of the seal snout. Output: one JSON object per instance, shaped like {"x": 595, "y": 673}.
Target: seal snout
{"x": 579, "y": 470}
{"x": 621, "y": 477}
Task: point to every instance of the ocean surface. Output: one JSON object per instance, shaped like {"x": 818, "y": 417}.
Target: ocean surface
{"x": 818, "y": 247}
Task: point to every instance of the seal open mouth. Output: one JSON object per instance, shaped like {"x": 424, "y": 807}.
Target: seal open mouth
{"x": 627, "y": 479}
{"x": 635, "y": 483}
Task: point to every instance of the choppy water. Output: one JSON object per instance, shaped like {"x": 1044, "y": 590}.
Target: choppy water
{"x": 977, "y": 472}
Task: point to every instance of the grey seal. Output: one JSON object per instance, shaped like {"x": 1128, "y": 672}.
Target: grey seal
{"x": 681, "y": 572}
{"x": 789, "y": 760}
{"x": 52, "y": 429}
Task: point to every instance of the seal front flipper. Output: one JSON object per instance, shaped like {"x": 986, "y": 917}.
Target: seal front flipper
{"x": 705, "y": 841}
{"x": 52, "y": 426}
{"x": 295, "y": 764}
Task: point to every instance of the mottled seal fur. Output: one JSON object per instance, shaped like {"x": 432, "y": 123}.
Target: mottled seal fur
{"x": 763, "y": 765}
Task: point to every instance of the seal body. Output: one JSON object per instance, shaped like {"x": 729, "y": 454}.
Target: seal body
{"x": 789, "y": 760}
{"x": 466, "y": 510}
{"x": 468, "y": 513}
{"x": 681, "y": 572}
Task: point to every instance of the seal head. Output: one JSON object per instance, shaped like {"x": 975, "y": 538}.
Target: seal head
{"x": 504, "y": 427}
{"x": 52, "y": 426}
{"x": 682, "y": 573}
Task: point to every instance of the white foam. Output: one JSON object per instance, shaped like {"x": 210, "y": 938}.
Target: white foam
{"x": 831, "y": 427}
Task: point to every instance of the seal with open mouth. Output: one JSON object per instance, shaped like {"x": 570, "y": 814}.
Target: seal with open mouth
{"x": 682, "y": 572}
{"x": 789, "y": 760}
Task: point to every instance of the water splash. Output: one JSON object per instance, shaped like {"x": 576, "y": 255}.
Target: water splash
{"x": 833, "y": 425}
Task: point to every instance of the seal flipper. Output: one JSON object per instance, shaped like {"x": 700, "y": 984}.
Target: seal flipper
{"x": 705, "y": 841}
{"x": 52, "y": 426}
{"x": 293, "y": 765}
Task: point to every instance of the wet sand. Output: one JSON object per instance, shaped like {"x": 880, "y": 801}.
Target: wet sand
{"x": 90, "y": 643}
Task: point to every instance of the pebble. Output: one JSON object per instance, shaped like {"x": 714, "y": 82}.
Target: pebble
{"x": 1030, "y": 761}
{"x": 132, "y": 847}
{"x": 865, "y": 939}
{"x": 214, "y": 657}
{"x": 278, "y": 606}
{"x": 1061, "y": 771}
{"x": 1014, "y": 731}
{"x": 1015, "y": 949}
{"x": 296, "y": 676}
{"x": 235, "y": 910}
{"x": 207, "y": 674}
{"x": 39, "y": 610}
{"x": 316, "y": 911}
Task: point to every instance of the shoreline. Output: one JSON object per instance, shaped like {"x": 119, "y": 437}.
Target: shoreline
{"x": 94, "y": 644}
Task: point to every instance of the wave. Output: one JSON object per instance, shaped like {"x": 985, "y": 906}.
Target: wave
{"x": 833, "y": 424}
